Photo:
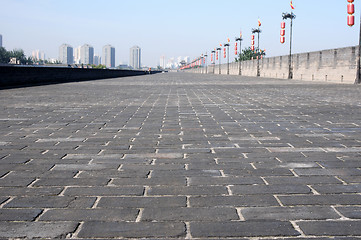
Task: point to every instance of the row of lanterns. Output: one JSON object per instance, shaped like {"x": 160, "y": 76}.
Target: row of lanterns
{"x": 350, "y": 11}
{"x": 252, "y": 42}
{"x": 283, "y": 32}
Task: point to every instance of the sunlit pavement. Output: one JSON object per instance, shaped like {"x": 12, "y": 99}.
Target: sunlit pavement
{"x": 181, "y": 156}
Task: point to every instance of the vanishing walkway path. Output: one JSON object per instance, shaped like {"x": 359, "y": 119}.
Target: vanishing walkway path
{"x": 181, "y": 156}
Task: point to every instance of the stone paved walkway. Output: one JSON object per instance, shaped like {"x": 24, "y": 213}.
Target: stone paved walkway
{"x": 181, "y": 156}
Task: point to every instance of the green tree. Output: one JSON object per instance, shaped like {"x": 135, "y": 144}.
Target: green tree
{"x": 248, "y": 54}
{"x": 4, "y": 55}
{"x": 100, "y": 66}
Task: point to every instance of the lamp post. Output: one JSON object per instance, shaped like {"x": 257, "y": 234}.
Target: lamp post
{"x": 351, "y": 22}
{"x": 240, "y": 49}
{"x": 258, "y": 31}
{"x": 213, "y": 60}
{"x": 290, "y": 16}
{"x": 227, "y": 45}
{"x": 219, "y": 55}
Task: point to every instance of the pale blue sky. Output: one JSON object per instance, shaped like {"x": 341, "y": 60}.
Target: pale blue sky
{"x": 171, "y": 28}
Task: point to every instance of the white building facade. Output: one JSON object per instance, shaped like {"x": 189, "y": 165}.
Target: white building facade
{"x": 86, "y": 54}
{"x": 135, "y": 57}
{"x": 66, "y": 54}
{"x": 108, "y": 58}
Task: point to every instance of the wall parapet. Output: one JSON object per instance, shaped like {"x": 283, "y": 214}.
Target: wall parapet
{"x": 333, "y": 65}
{"x": 12, "y": 76}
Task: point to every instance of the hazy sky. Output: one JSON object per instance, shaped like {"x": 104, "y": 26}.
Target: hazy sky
{"x": 171, "y": 28}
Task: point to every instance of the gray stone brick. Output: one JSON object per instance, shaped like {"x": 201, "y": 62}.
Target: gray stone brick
{"x": 334, "y": 199}
{"x": 289, "y": 213}
{"x": 270, "y": 189}
{"x": 185, "y": 173}
{"x": 25, "y": 191}
{"x": 332, "y": 172}
{"x": 165, "y": 181}
{"x": 113, "y": 174}
{"x": 132, "y": 230}
{"x": 302, "y": 180}
{"x": 236, "y": 201}
{"x": 142, "y": 202}
{"x": 15, "y": 182}
{"x": 337, "y": 188}
{"x": 71, "y": 182}
{"x": 82, "y": 203}
{"x": 189, "y": 214}
{"x": 242, "y": 229}
{"x": 19, "y": 214}
{"x": 350, "y": 212}
{"x": 260, "y": 172}
{"x": 82, "y": 215}
{"x": 184, "y": 191}
{"x": 331, "y": 228}
{"x": 104, "y": 191}
{"x": 197, "y": 181}
{"x": 39, "y": 202}
{"x": 36, "y": 229}
{"x": 85, "y": 167}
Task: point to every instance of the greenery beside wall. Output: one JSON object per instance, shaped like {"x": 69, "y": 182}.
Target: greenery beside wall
{"x": 248, "y": 54}
{"x": 19, "y": 54}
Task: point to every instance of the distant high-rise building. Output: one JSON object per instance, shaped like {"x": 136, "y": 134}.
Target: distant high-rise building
{"x": 162, "y": 62}
{"x": 135, "y": 57}
{"x": 38, "y": 55}
{"x": 1, "y": 40}
{"x": 86, "y": 54}
{"x": 66, "y": 54}
{"x": 97, "y": 60}
{"x": 77, "y": 55}
{"x": 108, "y": 56}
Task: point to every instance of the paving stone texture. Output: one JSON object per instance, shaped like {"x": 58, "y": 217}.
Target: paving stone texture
{"x": 181, "y": 156}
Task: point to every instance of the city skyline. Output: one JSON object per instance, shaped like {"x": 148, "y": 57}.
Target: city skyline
{"x": 184, "y": 28}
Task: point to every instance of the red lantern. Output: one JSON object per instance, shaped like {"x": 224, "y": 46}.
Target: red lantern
{"x": 350, "y": 8}
{"x": 283, "y": 39}
{"x": 283, "y": 25}
{"x": 236, "y": 53}
{"x": 350, "y": 20}
{"x": 252, "y": 48}
{"x": 283, "y": 32}
{"x": 252, "y": 37}
{"x": 350, "y": 1}
{"x": 217, "y": 56}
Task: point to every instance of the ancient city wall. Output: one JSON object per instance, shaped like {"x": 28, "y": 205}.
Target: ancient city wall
{"x": 11, "y": 76}
{"x": 334, "y": 65}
